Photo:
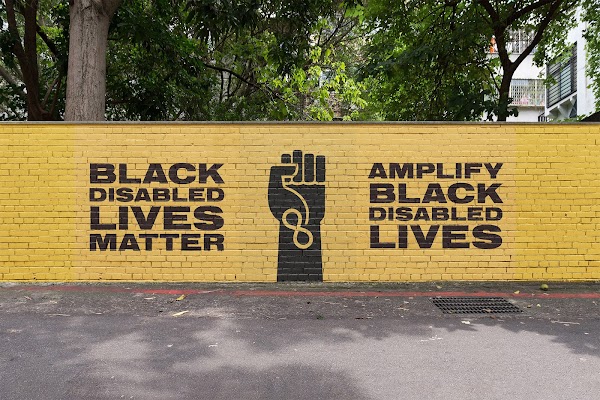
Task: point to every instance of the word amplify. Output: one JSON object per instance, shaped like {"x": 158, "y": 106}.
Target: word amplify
{"x": 421, "y": 170}
{"x": 180, "y": 173}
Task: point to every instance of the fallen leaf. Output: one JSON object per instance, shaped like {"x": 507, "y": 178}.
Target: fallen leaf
{"x": 517, "y": 291}
{"x": 177, "y": 314}
{"x": 180, "y": 297}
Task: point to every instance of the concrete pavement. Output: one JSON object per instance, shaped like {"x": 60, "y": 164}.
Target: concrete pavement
{"x": 296, "y": 341}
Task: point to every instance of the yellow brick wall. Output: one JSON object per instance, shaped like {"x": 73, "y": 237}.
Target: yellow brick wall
{"x": 549, "y": 185}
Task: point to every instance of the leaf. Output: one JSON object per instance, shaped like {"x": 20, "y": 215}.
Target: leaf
{"x": 177, "y": 314}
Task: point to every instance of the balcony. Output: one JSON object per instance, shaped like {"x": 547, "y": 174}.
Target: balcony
{"x": 563, "y": 76}
{"x": 516, "y": 42}
{"x": 528, "y": 92}
{"x": 519, "y": 40}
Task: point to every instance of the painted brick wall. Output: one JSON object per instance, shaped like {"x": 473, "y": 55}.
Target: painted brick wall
{"x": 337, "y": 202}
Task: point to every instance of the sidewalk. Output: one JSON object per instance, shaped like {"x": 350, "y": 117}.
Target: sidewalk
{"x": 358, "y": 341}
{"x": 294, "y": 300}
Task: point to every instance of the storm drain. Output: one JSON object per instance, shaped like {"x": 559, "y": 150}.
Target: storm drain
{"x": 475, "y": 305}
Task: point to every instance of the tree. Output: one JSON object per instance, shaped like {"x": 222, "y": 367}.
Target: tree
{"x": 275, "y": 60}
{"x": 33, "y": 59}
{"x": 193, "y": 60}
{"x": 591, "y": 15}
{"x": 86, "y": 78}
{"x": 448, "y": 39}
{"x": 420, "y": 65}
{"x": 539, "y": 17}
{"x": 235, "y": 60}
{"x": 156, "y": 68}
{"x": 281, "y": 59}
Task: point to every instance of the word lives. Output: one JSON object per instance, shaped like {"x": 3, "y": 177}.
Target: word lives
{"x": 165, "y": 208}
{"x": 455, "y": 210}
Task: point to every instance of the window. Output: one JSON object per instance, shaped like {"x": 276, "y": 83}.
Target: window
{"x": 564, "y": 77}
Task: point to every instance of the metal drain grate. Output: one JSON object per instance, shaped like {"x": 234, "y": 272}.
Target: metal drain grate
{"x": 475, "y": 305}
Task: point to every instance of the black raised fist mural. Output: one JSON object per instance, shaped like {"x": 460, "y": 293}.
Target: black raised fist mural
{"x": 297, "y": 200}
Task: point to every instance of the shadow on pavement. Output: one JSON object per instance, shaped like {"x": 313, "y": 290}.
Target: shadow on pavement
{"x": 101, "y": 346}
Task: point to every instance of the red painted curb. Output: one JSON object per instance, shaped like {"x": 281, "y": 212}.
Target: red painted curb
{"x": 415, "y": 294}
{"x": 304, "y": 293}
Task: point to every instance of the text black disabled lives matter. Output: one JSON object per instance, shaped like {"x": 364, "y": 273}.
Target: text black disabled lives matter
{"x": 140, "y": 206}
{"x": 461, "y": 227}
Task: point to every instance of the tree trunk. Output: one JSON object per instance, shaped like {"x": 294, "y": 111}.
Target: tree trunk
{"x": 503, "y": 96}
{"x": 27, "y": 56}
{"x": 30, "y": 70}
{"x": 86, "y": 77}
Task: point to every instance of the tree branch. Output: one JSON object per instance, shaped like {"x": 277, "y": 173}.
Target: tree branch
{"x": 14, "y": 31}
{"x": 56, "y": 80}
{"x": 13, "y": 83}
{"x": 335, "y": 31}
{"x": 489, "y": 8}
{"x": 241, "y": 78}
{"x": 526, "y": 10}
{"x": 492, "y": 75}
{"x": 540, "y": 31}
{"x": 56, "y": 94}
{"x": 499, "y": 28}
{"x": 26, "y": 53}
{"x": 51, "y": 46}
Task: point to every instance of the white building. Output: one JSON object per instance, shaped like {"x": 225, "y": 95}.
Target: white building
{"x": 527, "y": 86}
{"x": 570, "y": 95}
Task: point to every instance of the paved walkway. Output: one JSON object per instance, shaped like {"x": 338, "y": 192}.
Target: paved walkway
{"x": 296, "y": 341}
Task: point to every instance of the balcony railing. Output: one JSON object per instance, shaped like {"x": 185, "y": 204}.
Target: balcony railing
{"x": 564, "y": 76}
{"x": 528, "y": 92}
{"x": 519, "y": 40}
{"x": 516, "y": 42}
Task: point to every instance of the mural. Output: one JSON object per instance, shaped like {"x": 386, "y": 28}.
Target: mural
{"x": 254, "y": 202}
{"x": 297, "y": 201}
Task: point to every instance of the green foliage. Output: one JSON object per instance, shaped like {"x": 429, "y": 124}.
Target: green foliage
{"x": 554, "y": 45}
{"x": 422, "y": 66}
{"x": 230, "y": 60}
{"x": 428, "y": 59}
{"x": 297, "y": 59}
{"x": 52, "y": 49}
{"x": 12, "y": 106}
{"x": 155, "y": 70}
{"x": 280, "y": 60}
{"x": 591, "y": 15}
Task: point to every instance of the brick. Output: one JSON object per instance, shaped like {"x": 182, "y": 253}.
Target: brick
{"x": 549, "y": 186}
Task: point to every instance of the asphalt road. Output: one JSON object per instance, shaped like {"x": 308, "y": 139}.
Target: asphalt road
{"x": 113, "y": 342}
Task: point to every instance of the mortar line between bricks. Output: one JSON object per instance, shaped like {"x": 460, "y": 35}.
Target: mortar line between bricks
{"x": 304, "y": 293}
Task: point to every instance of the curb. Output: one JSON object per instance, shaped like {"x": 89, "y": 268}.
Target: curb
{"x": 302, "y": 293}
